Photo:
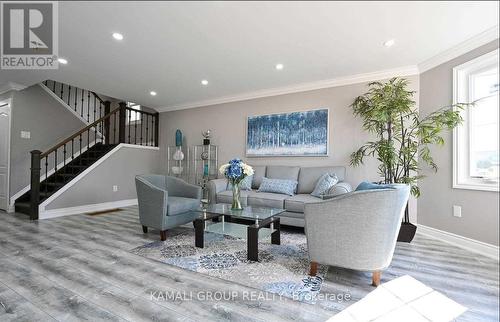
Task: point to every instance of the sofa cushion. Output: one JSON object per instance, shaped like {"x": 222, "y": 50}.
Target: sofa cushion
{"x": 324, "y": 184}
{"x": 227, "y": 196}
{"x": 286, "y": 187}
{"x": 266, "y": 199}
{"x": 179, "y": 205}
{"x": 282, "y": 172}
{"x": 297, "y": 202}
{"x": 259, "y": 172}
{"x": 309, "y": 176}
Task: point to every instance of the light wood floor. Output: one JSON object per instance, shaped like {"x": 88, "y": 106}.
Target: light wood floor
{"x": 78, "y": 268}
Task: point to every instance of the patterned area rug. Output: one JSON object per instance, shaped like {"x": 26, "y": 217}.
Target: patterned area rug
{"x": 282, "y": 269}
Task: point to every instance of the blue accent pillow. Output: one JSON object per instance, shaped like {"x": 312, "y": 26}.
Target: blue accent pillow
{"x": 365, "y": 185}
{"x": 245, "y": 184}
{"x": 286, "y": 187}
{"x": 324, "y": 184}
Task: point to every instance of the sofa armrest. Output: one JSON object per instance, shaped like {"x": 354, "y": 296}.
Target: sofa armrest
{"x": 337, "y": 190}
{"x": 215, "y": 186}
{"x": 152, "y": 203}
{"x": 180, "y": 188}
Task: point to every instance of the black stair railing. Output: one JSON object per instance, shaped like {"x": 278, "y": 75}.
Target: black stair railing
{"x": 85, "y": 103}
{"x": 122, "y": 125}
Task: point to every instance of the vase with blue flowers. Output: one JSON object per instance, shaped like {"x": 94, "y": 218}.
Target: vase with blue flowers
{"x": 235, "y": 171}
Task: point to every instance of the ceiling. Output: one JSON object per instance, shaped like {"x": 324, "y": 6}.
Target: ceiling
{"x": 169, "y": 47}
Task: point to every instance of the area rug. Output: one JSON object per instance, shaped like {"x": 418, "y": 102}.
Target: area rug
{"x": 282, "y": 269}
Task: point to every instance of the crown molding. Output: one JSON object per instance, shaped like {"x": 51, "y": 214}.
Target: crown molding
{"x": 304, "y": 87}
{"x": 11, "y": 86}
{"x": 483, "y": 38}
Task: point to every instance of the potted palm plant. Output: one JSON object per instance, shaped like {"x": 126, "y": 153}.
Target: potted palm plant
{"x": 402, "y": 136}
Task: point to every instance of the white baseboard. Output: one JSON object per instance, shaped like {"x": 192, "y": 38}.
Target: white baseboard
{"x": 53, "y": 213}
{"x": 470, "y": 244}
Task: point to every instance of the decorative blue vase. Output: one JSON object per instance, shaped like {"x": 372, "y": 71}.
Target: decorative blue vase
{"x": 178, "y": 138}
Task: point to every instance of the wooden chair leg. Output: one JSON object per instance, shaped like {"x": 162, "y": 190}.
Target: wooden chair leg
{"x": 163, "y": 235}
{"x": 314, "y": 269}
{"x": 145, "y": 229}
{"x": 376, "y": 278}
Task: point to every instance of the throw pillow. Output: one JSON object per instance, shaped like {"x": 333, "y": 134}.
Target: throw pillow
{"x": 245, "y": 184}
{"x": 365, "y": 185}
{"x": 286, "y": 187}
{"x": 324, "y": 184}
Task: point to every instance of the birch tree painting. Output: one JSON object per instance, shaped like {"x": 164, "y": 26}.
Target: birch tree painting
{"x": 288, "y": 134}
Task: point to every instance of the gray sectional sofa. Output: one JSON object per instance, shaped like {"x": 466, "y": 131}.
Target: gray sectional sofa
{"x": 307, "y": 177}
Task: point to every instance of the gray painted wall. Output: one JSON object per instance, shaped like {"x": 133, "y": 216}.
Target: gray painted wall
{"x": 119, "y": 169}
{"x": 228, "y": 125}
{"x": 480, "y": 217}
{"x": 36, "y": 111}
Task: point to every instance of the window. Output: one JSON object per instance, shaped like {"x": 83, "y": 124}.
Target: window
{"x": 132, "y": 116}
{"x": 475, "y": 142}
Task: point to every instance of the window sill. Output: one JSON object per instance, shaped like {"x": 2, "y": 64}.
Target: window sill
{"x": 476, "y": 186}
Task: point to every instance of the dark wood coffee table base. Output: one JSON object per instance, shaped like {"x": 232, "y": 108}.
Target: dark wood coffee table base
{"x": 252, "y": 232}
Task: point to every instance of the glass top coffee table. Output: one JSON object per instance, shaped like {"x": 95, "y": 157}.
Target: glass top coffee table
{"x": 251, "y": 223}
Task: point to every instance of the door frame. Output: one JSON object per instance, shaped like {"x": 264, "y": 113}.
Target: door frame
{"x": 8, "y": 102}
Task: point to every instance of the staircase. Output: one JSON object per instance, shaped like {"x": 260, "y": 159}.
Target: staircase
{"x": 64, "y": 175}
{"x": 64, "y": 162}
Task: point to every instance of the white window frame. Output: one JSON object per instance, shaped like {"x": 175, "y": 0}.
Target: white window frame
{"x": 134, "y": 121}
{"x": 462, "y": 133}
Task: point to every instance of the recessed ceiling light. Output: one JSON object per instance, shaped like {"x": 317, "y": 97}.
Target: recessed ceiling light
{"x": 389, "y": 43}
{"x": 153, "y": 93}
{"x": 279, "y": 66}
{"x": 204, "y": 82}
{"x": 117, "y": 36}
{"x": 62, "y": 61}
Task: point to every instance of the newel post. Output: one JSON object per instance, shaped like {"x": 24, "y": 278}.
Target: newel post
{"x": 121, "y": 126}
{"x": 157, "y": 128}
{"x": 35, "y": 184}
{"x": 107, "y": 110}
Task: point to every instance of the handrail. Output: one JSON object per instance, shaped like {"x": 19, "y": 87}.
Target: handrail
{"x": 97, "y": 96}
{"x": 88, "y": 127}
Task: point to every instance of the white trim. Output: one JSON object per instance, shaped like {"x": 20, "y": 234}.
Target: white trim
{"x": 470, "y": 244}
{"x": 89, "y": 169}
{"x": 8, "y": 101}
{"x": 464, "y": 47}
{"x": 53, "y": 213}
{"x": 63, "y": 103}
{"x": 460, "y": 133}
{"x": 340, "y": 81}
{"x": 49, "y": 173}
{"x": 11, "y": 86}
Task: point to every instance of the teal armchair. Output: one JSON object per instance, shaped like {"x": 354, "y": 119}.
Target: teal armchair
{"x": 166, "y": 202}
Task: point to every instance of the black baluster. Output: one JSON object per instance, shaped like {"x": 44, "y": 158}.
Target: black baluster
{"x": 54, "y": 87}
{"x": 46, "y": 171}
{"x": 64, "y": 154}
{"x": 88, "y": 139}
{"x": 62, "y": 90}
{"x": 80, "y": 148}
{"x": 142, "y": 121}
{"x": 152, "y": 130}
{"x": 147, "y": 129}
{"x": 135, "y": 128}
{"x": 129, "y": 126}
{"x": 72, "y": 148}
{"x": 94, "y": 110}
{"x": 55, "y": 166}
{"x": 88, "y": 107}
{"x": 76, "y": 96}
{"x": 69, "y": 94}
{"x": 81, "y": 111}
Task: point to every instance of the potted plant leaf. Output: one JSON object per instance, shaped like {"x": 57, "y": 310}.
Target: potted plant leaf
{"x": 402, "y": 136}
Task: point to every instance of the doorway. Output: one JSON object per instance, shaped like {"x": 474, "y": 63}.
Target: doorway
{"x": 5, "y": 115}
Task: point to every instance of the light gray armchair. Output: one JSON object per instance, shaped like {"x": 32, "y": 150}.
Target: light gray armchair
{"x": 357, "y": 230}
{"x": 165, "y": 202}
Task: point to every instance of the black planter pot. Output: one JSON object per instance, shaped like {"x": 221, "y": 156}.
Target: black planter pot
{"x": 407, "y": 232}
